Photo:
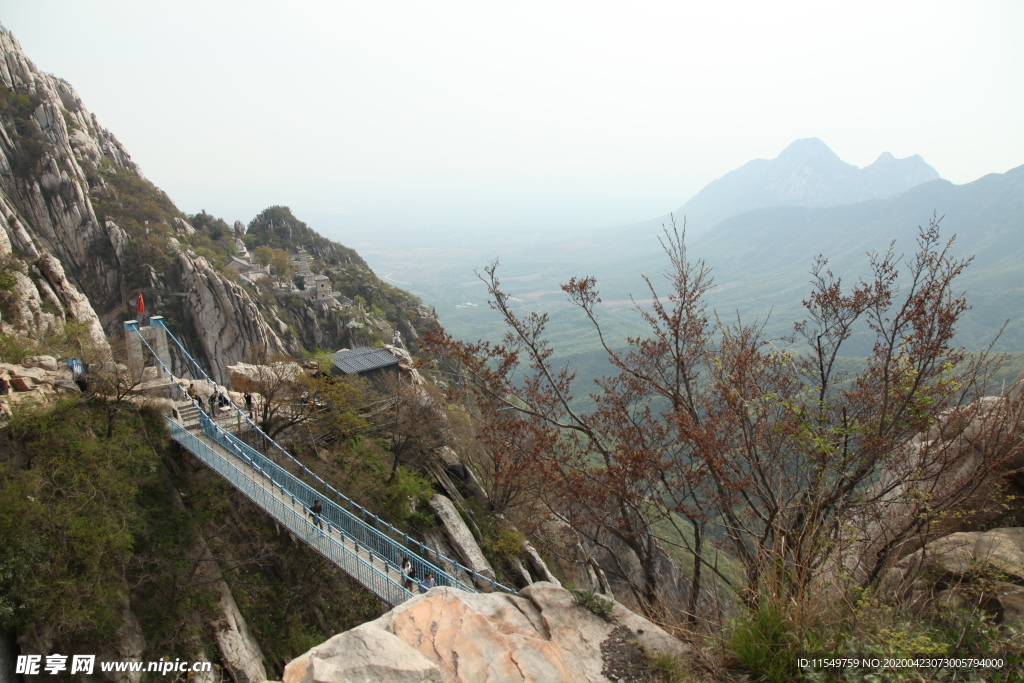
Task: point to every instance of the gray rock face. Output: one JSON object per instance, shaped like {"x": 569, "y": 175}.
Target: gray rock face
{"x": 240, "y": 653}
{"x": 227, "y": 321}
{"x": 961, "y": 554}
{"x": 961, "y": 444}
{"x": 44, "y": 193}
{"x": 48, "y": 284}
{"x": 129, "y": 644}
{"x": 539, "y": 635}
{"x": 47, "y": 168}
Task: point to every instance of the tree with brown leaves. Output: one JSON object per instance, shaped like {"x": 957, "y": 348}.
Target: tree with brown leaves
{"x": 754, "y": 446}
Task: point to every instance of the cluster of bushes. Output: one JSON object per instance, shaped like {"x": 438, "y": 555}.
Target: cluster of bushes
{"x": 71, "y": 512}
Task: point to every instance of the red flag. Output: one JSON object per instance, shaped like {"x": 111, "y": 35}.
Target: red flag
{"x": 141, "y": 307}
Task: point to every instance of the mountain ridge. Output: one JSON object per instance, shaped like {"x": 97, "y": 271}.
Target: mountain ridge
{"x": 806, "y": 173}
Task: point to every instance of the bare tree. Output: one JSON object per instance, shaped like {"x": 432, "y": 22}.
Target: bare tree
{"x": 114, "y": 374}
{"x": 414, "y": 421}
{"x": 286, "y": 395}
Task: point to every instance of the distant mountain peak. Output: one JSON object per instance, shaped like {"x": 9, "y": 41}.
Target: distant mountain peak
{"x": 806, "y": 173}
{"x": 809, "y": 149}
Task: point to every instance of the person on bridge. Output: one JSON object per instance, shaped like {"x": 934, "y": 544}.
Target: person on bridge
{"x": 410, "y": 574}
{"x": 314, "y": 513}
{"x": 427, "y": 583}
{"x": 213, "y": 404}
{"x": 192, "y": 392}
{"x": 248, "y": 405}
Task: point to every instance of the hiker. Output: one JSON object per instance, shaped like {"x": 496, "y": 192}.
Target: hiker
{"x": 314, "y": 513}
{"x": 213, "y": 404}
{"x": 428, "y": 583}
{"x": 409, "y": 573}
{"x": 192, "y": 392}
{"x": 248, "y": 405}
{"x": 222, "y": 400}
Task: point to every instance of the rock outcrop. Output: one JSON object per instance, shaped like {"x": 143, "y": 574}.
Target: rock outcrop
{"x": 74, "y": 265}
{"x": 450, "y": 636}
{"x": 460, "y": 537}
{"x": 947, "y": 571}
{"x": 227, "y": 322}
{"x": 943, "y": 464}
{"x": 46, "y": 149}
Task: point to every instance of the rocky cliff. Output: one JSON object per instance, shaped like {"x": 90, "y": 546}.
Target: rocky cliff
{"x": 82, "y": 233}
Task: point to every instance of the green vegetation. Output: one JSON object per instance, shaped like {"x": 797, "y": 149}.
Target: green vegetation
{"x": 30, "y": 144}
{"x": 770, "y": 641}
{"x": 277, "y": 228}
{"x": 593, "y": 602}
{"x": 144, "y": 212}
{"x": 90, "y": 524}
{"x": 71, "y": 517}
{"x": 70, "y": 340}
{"x": 671, "y": 669}
{"x": 9, "y": 266}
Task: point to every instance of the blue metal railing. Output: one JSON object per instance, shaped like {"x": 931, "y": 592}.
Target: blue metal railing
{"x": 332, "y": 514}
{"x": 375, "y": 578}
{"x": 289, "y": 474}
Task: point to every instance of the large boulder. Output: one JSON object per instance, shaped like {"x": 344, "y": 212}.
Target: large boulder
{"x": 249, "y": 378}
{"x": 227, "y": 321}
{"x": 452, "y": 636}
{"x": 999, "y": 551}
{"x": 961, "y": 473}
{"x": 48, "y": 363}
{"x": 982, "y": 568}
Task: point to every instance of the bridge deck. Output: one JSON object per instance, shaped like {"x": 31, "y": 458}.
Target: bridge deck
{"x": 373, "y": 572}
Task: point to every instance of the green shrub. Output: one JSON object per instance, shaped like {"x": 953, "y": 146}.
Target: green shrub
{"x": 407, "y": 491}
{"x": 593, "y": 602}
{"x": 504, "y": 543}
{"x": 14, "y": 347}
{"x": 765, "y": 643}
{"x": 670, "y": 669}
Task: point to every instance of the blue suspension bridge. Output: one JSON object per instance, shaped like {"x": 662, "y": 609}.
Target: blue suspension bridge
{"x": 366, "y": 547}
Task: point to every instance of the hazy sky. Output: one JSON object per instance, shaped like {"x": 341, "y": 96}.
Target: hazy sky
{"x": 522, "y": 115}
